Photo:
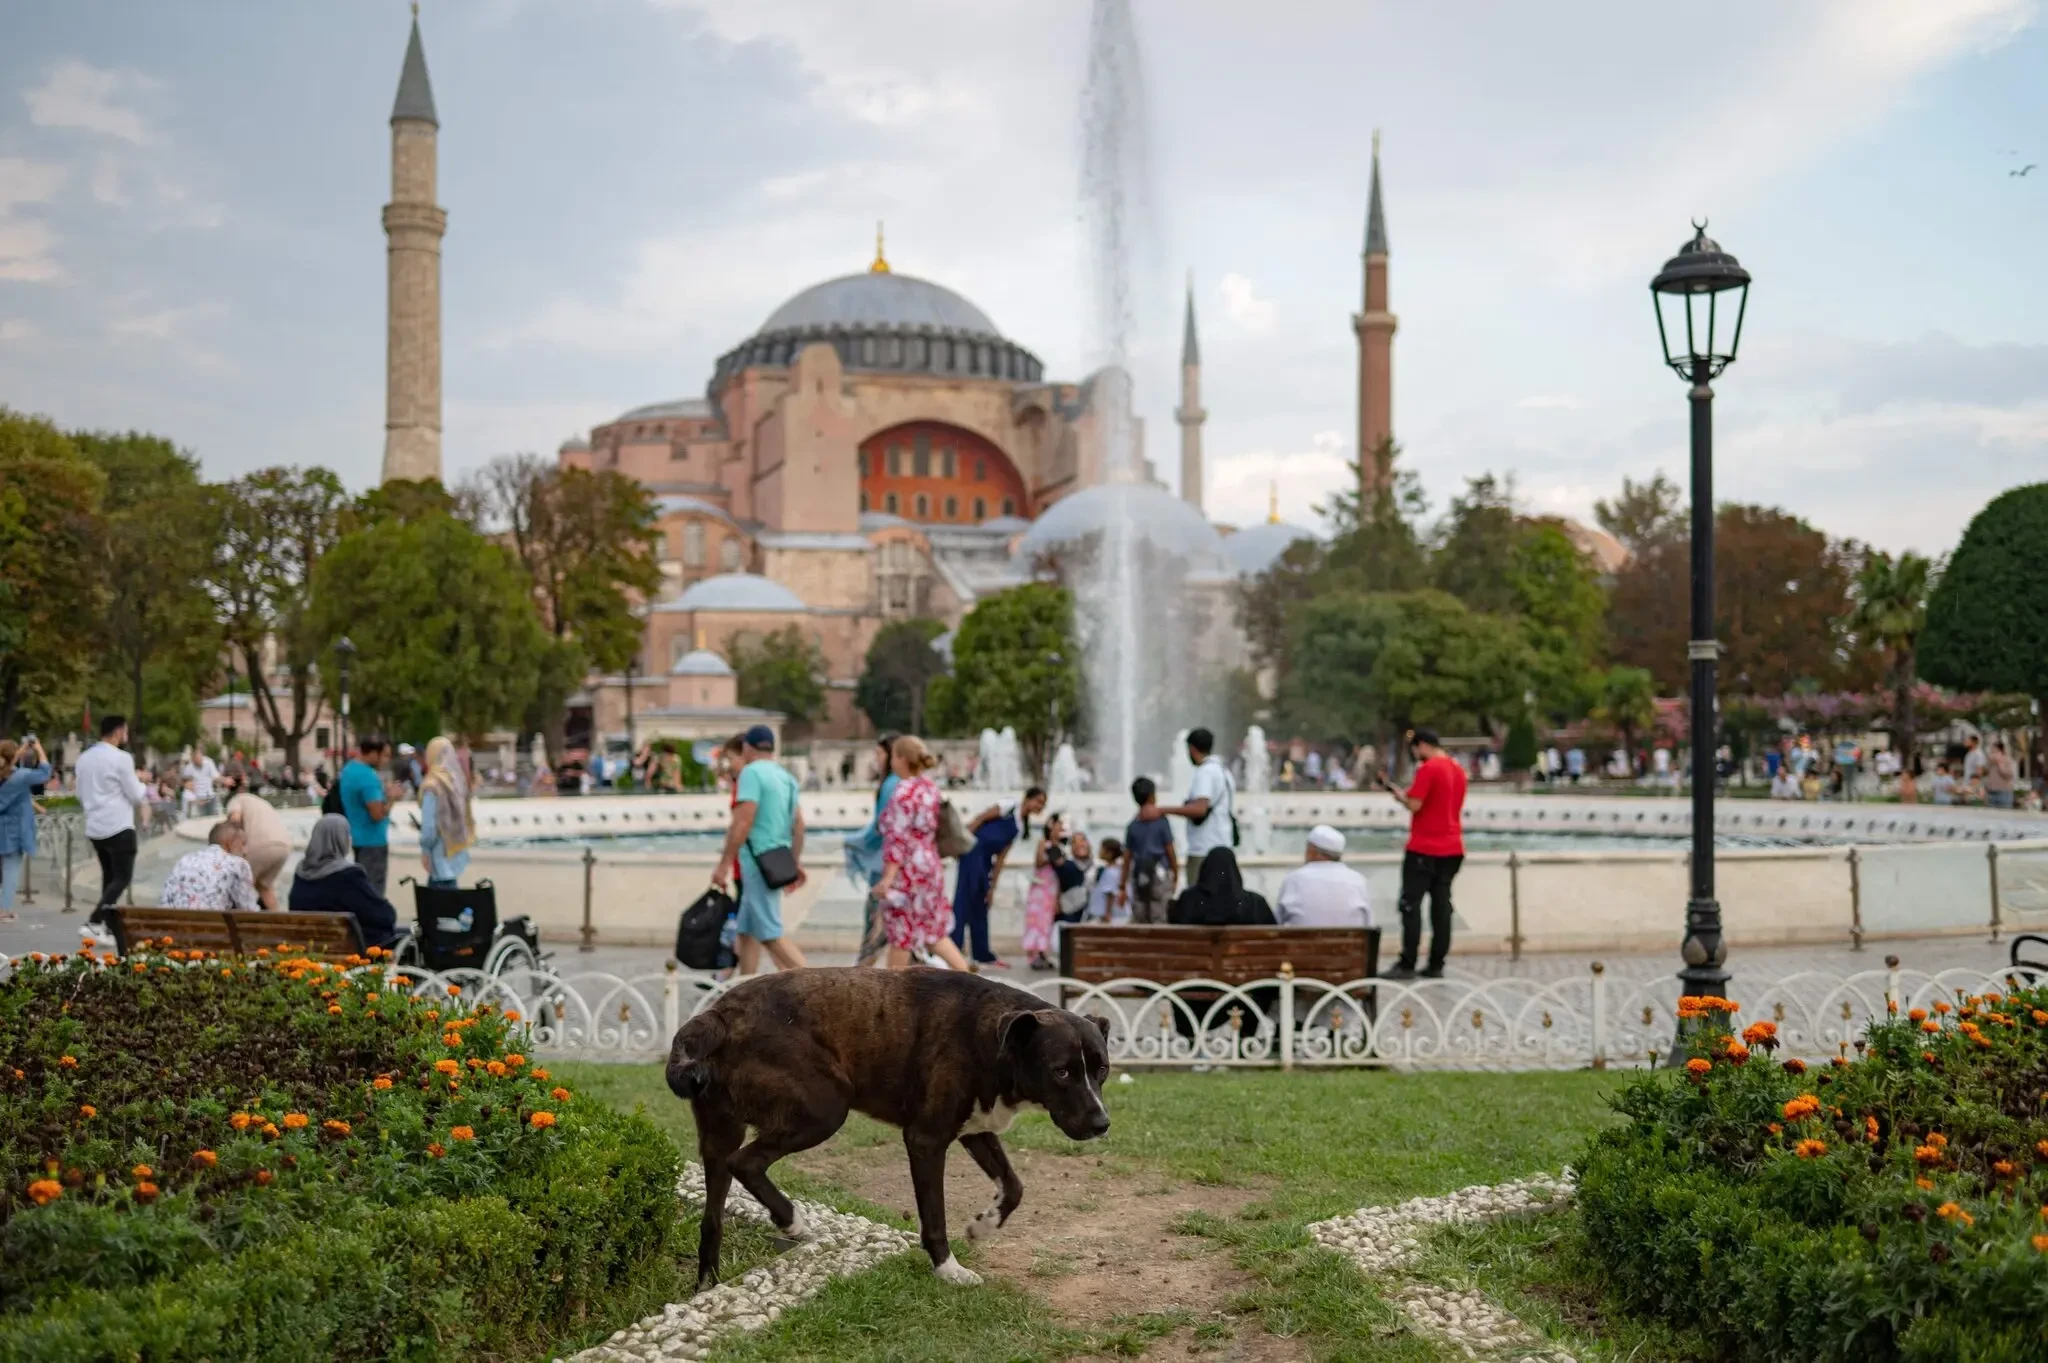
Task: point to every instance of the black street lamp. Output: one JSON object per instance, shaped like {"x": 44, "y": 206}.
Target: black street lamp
{"x": 1693, "y": 282}
{"x": 344, "y": 654}
{"x": 632, "y": 675}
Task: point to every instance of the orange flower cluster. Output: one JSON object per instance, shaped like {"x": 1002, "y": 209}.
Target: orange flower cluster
{"x": 206, "y": 1159}
{"x": 2041, "y": 1017}
{"x": 1736, "y": 1052}
{"x": 143, "y": 1171}
{"x": 2041, "y": 1149}
{"x": 2040, "y": 1243}
{"x": 1810, "y": 1149}
{"x": 1795, "y": 1066}
{"x": 295, "y": 1121}
{"x": 1699, "y": 1067}
{"x": 1870, "y": 1129}
{"x": 1949, "y": 1211}
{"x": 559, "y": 1095}
{"x": 88, "y": 1111}
{"x": 542, "y": 1119}
{"x": 1917, "y": 1015}
{"x": 334, "y": 1129}
{"x": 67, "y": 1062}
{"x": 44, "y": 1191}
{"x": 448, "y": 1066}
{"x": 2002, "y": 1168}
{"x": 461, "y": 1133}
{"x": 145, "y": 1191}
{"x": 1930, "y": 1026}
{"x": 1760, "y": 1033}
{"x": 1942, "y": 1008}
{"x": 496, "y": 1069}
{"x": 1705, "y": 1005}
{"x": 1802, "y": 1107}
{"x": 382, "y": 1081}
{"x": 515, "y": 1060}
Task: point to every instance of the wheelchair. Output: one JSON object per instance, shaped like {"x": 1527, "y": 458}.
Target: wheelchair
{"x": 2033, "y": 968}
{"x": 457, "y": 928}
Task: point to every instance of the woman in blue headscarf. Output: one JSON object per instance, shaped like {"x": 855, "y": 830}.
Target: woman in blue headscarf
{"x": 864, "y": 853}
{"x": 994, "y": 830}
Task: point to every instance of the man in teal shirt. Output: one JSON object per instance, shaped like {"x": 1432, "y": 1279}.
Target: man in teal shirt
{"x": 367, "y": 805}
{"x": 766, "y": 814}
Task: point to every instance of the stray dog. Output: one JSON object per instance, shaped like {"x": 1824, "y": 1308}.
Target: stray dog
{"x": 944, "y": 1056}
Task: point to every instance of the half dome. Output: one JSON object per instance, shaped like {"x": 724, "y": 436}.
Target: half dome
{"x": 701, "y": 662}
{"x": 1159, "y": 518}
{"x": 737, "y": 592}
{"x": 879, "y": 299}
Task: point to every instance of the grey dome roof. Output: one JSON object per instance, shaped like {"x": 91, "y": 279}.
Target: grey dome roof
{"x": 1160, "y": 518}
{"x": 879, "y": 299}
{"x": 700, "y": 662}
{"x": 738, "y": 592}
{"x": 653, "y": 411}
{"x": 1008, "y": 525}
{"x": 1255, "y": 548}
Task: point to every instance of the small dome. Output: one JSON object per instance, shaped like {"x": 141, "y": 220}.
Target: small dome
{"x": 1159, "y": 517}
{"x": 738, "y": 592}
{"x": 661, "y": 411}
{"x": 872, "y": 299}
{"x": 574, "y": 443}
{"x": 700, "y": 662}
{"x": 1256, "y": 548}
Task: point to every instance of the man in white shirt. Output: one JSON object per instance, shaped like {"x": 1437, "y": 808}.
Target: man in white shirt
{"x": 1323, "y": 892}
{"x": 1210, "y": 808}
{"x": 110, "y": 793}
{"x": 199, "y": 773}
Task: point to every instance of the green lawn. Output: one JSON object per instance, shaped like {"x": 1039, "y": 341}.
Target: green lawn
{"x": 1311, "y": 1145}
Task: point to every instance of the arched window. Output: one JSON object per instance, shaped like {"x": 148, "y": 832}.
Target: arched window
{"x": 981, "y": 470}
{"x": 980, "y": 509}
{"x": 729, "y": 555}
{"x": 693, "y": 544}
{"x": 863, "y": 501}
{"x": 889, "y": 502}
{"x": 921, "y": 455}
{"x": 924, "y": 506}
{"x": 946, "y": 462}
{"x": 1009, "y": 507}
{"x": 952, "y": 508}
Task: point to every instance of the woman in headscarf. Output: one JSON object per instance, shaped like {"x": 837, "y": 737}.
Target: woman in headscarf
{"x": 446, "y": 830}
{"x": 329, "y": 881}
{"x": 1218, "y": 897}
{"x": 864, "y": 852}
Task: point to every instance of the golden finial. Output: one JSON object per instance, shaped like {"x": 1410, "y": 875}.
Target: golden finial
{"x": 881, "y": 265}
{"x": 1273, "y": 503}
{"x": 415, "y": 9}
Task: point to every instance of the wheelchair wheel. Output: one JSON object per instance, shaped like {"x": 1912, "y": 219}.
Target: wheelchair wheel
{"x": 509, "y": 954}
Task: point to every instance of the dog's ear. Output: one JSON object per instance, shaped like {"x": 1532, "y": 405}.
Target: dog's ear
{"x": 1016, "y": 1029}
{"x": 1103, "y": 1023}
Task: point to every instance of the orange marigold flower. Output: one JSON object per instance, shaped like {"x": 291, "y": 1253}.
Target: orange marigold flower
{"x": 270, "y": 1130}
{"x": 511, "y": 1015}
{"x": 1760, "y": 1031}
{"x": 1805, "y": 1105}
{"x": 1870, "y": 1129}
{"x": 294, "y": 1121}
{"x": 240, "y": 1121}
{"x": 1927, "y": 1154}
{"x": 2041, "y": 1149}
{"x": 1930, "y": 1026}
{"x": 559, "y": 1095}
{"x": 542, "y": 1119}
{"x": 2040, "y": 1242}
{"x": 540, "y": 1074}
{"x": 1810, "y": 1148}
{"x": 2003, "y": 1168}
{"x": 455, "y": 1086}
{"x": 437, "y": 1150}
{"x": 1949, "y": 1211}
{"x": 451, "y": 1039}
{"x": 1924, "y": 1182}
{"x": 454, "y": 990}
{"x": 143, "y": 1171}
{"x": 145, "y": 1191}
{"x": 336, "y": 1129}
{"x": 515, "y": 1060}
{"x": 1937, "y": 1140}
{"x": 67, "y": 1062}
{"x": 497, "y": 1069}
{"x": 461, "y": 1133}
{"x": 448, "y": 1066}
{"x": 88, "y": 1111}
{"x": 1795, "y": 1066}
{"x": 1941, "y": 1007}
{"x": 205, "y": 1158}
{"x": 380, "y": 1082}
{"x": 475, "y": 1063}
{"x": 1918, "y": 1015}
{"x": 1737, "y": 1052}
{"x": 1840, "y": 1062}
{"x": 1928, "y": 1056}
{"x": 334, "y": 1010}
{"x": 44, "y": 1191}
{"x": 1698, "y": 1066}
{"x": 1775, "y": 1129}
{"x": 2041, "y": 1017}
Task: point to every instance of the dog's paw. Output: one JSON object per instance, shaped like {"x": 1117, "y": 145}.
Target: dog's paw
{"x": 952, "y": 1272}
{"x": 798, "y": 1228}
{"x": 986, "y": 1222}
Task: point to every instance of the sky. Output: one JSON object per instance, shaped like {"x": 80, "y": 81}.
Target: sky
{"x": 190, "y": 240}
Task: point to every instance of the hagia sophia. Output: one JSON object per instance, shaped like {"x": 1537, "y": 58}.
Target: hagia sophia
{"x": 878, "y": 449}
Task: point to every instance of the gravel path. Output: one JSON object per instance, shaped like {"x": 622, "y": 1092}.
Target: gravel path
{"x": 1384, "y": 1243}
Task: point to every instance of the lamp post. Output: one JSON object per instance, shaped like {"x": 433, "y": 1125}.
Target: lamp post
{"x": 230, "y": 734}
{"x": 344, "y": 654}
{"x": 1692, "y": 283}
{"x": 632, "y": 748}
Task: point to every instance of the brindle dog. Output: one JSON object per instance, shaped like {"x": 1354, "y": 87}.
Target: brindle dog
{"x": 944, "y": 1056}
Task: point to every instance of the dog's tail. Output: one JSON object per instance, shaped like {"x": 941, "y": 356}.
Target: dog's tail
{"x": 689, "y": 1058}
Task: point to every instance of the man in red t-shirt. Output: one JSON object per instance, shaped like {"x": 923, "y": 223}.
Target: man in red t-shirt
{"x": 1436, "y": 849}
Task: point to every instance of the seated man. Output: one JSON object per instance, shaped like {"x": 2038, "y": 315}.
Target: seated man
{"x": 1323, "y": 892}
{"x": 217, "y": 876}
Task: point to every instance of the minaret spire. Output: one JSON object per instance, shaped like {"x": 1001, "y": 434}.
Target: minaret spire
{"x": 1190, "y": 414}
{"x": 1374, "y": 326}
{"x": 413, "y": 227}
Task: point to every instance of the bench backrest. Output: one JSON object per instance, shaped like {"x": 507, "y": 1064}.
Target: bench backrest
{"x": 237, "y": 931}
{"x": 1098, "y": 952}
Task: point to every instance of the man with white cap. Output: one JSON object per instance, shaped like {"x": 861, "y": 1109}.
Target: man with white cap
{"x": 1323, "y": 892}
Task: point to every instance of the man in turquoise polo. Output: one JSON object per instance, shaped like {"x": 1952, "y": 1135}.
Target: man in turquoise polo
{"x": 765, "y": 815}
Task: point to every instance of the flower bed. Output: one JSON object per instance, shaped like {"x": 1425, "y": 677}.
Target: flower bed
{"x": 277, "y": 1157}
{"x": 1886, "y": 1206}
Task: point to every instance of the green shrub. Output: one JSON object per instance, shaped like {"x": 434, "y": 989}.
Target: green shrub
{"x": 242, "y": 1159}
{"x": 1883, "y": 1208}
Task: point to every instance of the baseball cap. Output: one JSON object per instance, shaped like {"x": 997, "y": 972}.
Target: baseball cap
{"x": 761, "y": 737}
{"x": 1326, "y": 839}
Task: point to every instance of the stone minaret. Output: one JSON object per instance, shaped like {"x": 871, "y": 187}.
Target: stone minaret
{"x": 1190, "y": 414}
{"x": 1375, "y": 328}
{"x": 413, "y": 224}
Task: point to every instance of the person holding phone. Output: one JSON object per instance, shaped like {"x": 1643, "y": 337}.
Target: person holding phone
{"x": 22, "y": 769}
{"x": 1436, "y": 849}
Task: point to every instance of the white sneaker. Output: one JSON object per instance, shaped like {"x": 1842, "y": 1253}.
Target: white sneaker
{"x": 98, "y": 938}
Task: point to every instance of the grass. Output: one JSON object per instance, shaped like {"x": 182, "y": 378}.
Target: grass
{"x": 1310, "y": 1145}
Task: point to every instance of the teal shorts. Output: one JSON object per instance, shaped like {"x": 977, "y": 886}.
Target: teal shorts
{"x": 760, "y": 915}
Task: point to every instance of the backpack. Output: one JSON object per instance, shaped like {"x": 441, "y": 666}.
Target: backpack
{"x": 699, "y": 932}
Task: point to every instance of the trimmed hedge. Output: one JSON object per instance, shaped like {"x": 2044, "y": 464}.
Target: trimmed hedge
{"x": 1888, "y": 1207}
{"x": 276, "y": 1157}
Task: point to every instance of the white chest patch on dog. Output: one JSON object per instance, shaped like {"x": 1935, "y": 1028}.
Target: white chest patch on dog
{"x": 995, "y": 1120}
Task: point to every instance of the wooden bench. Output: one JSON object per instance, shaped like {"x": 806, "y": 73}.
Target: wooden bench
{"x": 237, "y": 932}
{"x": 1096, "y": 953}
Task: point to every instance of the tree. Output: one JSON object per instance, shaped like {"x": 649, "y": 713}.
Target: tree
{"x": 1016, "y": 664}
{"x": 588, "y": 543}
{"x": 1374, "y": 543}
{"x": 52, "y": 551}
{"x": 1890, "y": 612}
{"x": 1374, "y": 664}
{"x": 1628, "y": 702}
{"x": 443, "y": 623}
{"x": 784, "y": 671}
{"x": 1477, "y": 544}
{"x": 1557, "y": 597}
{"x": 161, "y": 523}
{"x": 901, "y": 665}
{"x": 1987, "y": 618}
{"x": 1265, "y": 603}
{"x": 1644, "y": 515}
{"x": 275, "y": 526}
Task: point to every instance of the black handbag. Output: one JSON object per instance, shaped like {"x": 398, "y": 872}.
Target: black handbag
{"x": 778, "y": 867}
{"x": 700, "y": 932}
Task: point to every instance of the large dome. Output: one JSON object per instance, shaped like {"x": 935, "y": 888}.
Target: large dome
{"x": 879, "y": 298}
{"x": 1256, "y": 548}
{"x": 1159, "y": 517}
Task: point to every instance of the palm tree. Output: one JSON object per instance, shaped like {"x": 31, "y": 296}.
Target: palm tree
{"x": 1628, "y": 701}
{"x": 1890, "y": 612}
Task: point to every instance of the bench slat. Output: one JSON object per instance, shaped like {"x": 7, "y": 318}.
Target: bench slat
{"x": 236, "y": 931}
{"x": 1096, "y": 953}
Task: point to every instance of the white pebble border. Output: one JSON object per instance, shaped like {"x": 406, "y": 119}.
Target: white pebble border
{"x": 1385, "y": 1241}
{"x": 835, "y": 1245}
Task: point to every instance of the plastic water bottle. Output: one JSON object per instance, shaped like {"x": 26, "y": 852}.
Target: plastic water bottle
{"x": 468, "y": 918}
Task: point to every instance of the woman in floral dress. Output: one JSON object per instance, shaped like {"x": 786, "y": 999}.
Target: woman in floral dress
{"x": 1042, "y": 900}
{"x": 912, "y": 891}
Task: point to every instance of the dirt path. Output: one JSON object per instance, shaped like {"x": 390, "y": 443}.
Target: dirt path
{"x": 1094, "y": 1240}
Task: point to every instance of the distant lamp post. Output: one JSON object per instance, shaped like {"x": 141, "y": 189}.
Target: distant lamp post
{"x": 229, "y": 734}
{"x": 1700, "y": 296}
{"x": 632, "y": 747}
{"x": 344, "y": 654}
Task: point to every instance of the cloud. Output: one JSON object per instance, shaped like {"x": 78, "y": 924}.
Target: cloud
{"x": 175, "y": 328}
{"x": 1243, "y": 305}
{"x": 80, "y": 96}
{"x": 1302, "y": 479}
{"x": 15, "y": 329}
{"x": 1549, "y": 402}
{"x": 25, "y": 243}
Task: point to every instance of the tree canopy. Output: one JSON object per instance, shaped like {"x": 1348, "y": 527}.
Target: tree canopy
{"x": 901, "y": 665}
{"x": 1016, "y": 664}
{"x": 52, "y": 545}
{"x": 783, "y": 671}
{"x": 1987, "y": 618}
